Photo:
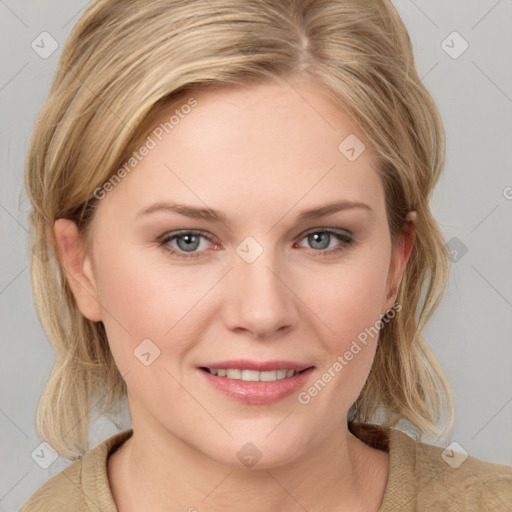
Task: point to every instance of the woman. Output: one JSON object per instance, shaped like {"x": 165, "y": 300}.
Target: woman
{"x": 236, "y": 196}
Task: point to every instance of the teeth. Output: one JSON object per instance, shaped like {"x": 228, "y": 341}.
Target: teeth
{"x": 268, "y": 376}
{"x": 250, "y": 375}
{"x": 233, "y": 374}
{"x": 253, "y": 375}
{"x": 281, "y": 374}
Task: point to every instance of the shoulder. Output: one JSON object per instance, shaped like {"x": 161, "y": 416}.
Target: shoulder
{"x": 436, "y": 478}
{"x": 82, "y": 486}
{"x": 61, "y": 492}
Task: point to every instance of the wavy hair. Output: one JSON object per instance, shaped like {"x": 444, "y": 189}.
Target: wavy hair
{"x": 124, "y": 61}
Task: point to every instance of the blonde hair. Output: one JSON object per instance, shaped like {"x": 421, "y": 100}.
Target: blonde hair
{"x": 124, "y": 61}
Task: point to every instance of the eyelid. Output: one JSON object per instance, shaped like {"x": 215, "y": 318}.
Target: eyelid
{"x": 339, "y": 231}
{"x": 178, "y": 232}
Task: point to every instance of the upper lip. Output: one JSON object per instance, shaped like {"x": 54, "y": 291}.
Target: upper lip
{"x": 260, "y": 366}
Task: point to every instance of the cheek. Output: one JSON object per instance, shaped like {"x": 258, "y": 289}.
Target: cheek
{"x": 144, "y": 299}
{"x": 347, "y": 301}
{"x": 348, "y": 297}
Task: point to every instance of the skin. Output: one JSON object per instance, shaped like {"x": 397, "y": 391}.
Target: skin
{"x": 261, "y": 155}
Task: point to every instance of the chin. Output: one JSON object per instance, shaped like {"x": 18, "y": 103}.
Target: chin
{"x": 258, "y": 451}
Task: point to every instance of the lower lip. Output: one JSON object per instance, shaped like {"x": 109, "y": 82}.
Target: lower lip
{"x": 258, "y": 392}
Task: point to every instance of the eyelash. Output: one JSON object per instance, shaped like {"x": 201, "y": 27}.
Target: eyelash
{"x": 342, "y": 236}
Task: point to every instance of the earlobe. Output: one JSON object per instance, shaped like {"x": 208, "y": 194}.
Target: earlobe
{"x": 77, "y": 268}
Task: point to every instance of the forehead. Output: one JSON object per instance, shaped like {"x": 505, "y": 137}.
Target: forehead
{"x": 274, "y": 144}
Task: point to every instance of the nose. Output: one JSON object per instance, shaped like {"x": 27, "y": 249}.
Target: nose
{"x": 260, "y": 301}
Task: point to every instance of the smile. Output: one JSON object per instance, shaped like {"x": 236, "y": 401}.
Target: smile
{"x": 256, "y": 386}
{"x": 252, "y": 375}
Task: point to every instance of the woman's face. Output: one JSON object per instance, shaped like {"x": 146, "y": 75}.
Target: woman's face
{"x": 267, "y": 287}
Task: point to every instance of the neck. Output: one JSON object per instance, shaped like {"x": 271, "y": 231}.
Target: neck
{"x": 156, "y": 470}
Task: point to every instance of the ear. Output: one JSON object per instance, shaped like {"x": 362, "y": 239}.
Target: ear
{"x": 400, "y": 253}
{"x": 77, "y": 268}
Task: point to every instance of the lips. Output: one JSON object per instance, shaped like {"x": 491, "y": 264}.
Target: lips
{"x": 255, "y": 382}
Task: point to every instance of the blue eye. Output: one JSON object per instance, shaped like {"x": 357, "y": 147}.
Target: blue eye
{"x": 320, "y": 239}
{"x": 188, "y": 242}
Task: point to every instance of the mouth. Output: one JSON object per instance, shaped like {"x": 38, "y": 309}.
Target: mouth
{"x": 253, "y": 375}
{"x": 256, "y": 383}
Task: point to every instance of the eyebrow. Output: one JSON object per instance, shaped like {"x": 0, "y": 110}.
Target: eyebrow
{"x": 212, "y": 215}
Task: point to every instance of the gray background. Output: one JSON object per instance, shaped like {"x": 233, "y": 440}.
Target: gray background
{"x": 470, "y": 333}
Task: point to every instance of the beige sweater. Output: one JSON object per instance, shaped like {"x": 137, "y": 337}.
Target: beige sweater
{"x": 420, "y": 479}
